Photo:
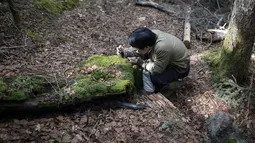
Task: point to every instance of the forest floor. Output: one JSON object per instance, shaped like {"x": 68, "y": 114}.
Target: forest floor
{"x": 56, "y": 44}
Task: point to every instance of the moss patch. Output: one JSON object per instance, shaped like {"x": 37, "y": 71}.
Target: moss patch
{"x": 22, "y": 87}
{"x": 98, "y": 76}
{"x": 48, "y": 103}
{"x": 102, "y": 76}
{"x": 212, "y": 57}
{"x": 34, "y": 36}
{"x": 222, "y": 67}
{"x": 56, "y": 6}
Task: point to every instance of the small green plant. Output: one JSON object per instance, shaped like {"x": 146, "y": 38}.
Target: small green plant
{"x": 69, "y": 4}
{"x": 3, "y": 86}
{"x": 226, "y": 89}
{"x": 212, "y": 57}
{"x": 35, "y": 36}
{"x": 56, "y": 6}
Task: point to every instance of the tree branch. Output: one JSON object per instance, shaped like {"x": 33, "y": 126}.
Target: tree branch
{"x": 154, "y": 5}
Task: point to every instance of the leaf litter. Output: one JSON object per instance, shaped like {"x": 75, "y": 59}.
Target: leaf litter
{"x": 98, "y": 28}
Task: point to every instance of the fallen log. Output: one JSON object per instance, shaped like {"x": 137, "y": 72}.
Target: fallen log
{"x": 172, "y": 116}
{"x": 154, "y": 5}
{"x": 158, "y": 100}
{"x": 186, "y": 38}
{"x": 99, "y": 77}
{"x": 212, "y": 35}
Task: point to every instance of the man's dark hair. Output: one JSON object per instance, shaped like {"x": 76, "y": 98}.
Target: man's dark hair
{"x": 141, "y": 38}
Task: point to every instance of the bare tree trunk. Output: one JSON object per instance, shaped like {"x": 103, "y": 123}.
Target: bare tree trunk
{"x": 15, "y": 13}
{"x": 238, "y": 44}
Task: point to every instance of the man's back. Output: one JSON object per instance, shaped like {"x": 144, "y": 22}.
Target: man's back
{"x": 173, "y": 46}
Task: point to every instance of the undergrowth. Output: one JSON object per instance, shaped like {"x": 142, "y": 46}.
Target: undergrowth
{"x": 56, "y": 6}
{"x": 226, "y": 89}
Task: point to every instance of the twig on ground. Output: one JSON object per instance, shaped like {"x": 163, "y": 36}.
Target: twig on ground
{"x": 154, "y": 5}
{"x": 2, "y": 53}
{"x": 207, "y": 9}
{"x": 249, "y": 96}
{"x": 14, "y": 47}
{"x": 218, "y": 4}
{"x": 234, "y": 78}
{"x": 200, "y": 70}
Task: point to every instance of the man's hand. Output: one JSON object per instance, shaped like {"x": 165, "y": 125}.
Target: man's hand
{"x": 120, "y": 51}
{"x": 136, "y": 60}
{"x": 133, "y": 60}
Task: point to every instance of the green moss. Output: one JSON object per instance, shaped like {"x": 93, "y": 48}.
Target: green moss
{"x": 106, "y": 61}
{"x": 34, "y": 36}
{"x": 51, "y": 6}
{"x": 48, "y": 103}
{"x": 29, "y": 84}
{"x": 3, "y": 89}
{"x": 228, "y": 64}
{"x": 102, "y": 80}
{"x": 212, "y": 57}
{"x": 121, "y": 64}
{"x": 17, "y": 95}
{"x": 235, "y": 57}
{"x": 22, "y": 87}
{"x": 98, "y": 74}
{"x": 3, "y": 86}
{"x": 56, "y": 6}
{"x": 65, "y": 39}
{"x": 69, "y": 4}
{"x": 229, "y": 92}
{"x": 119, "y": 86}
{"x": 85, "y": 88}
{"x": 222, "y": 62}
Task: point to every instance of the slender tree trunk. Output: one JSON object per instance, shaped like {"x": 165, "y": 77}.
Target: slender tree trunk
{"x": 238, "y": 44}
{"x": 15, "y": 13}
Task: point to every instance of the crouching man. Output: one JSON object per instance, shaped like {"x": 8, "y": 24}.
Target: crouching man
{"x": 163, "y": 57}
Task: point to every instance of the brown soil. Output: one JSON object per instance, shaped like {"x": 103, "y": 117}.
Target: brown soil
{"x": 57, "y": 46}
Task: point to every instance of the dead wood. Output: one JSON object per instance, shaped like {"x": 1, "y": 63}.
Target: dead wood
{"x": 154, "y": 5}
{"x": 249, "y": 96}
{"x": 187, "y": 26}
{"x": 158, "y": 101}
{"x": 213, "y": 35}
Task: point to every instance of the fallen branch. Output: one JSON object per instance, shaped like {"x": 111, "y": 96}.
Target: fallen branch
{"x": 158, "y": 101}
{"x": 249, "y": 96}
{"x": 154, "y": 5}
{"x": 213, "y": 35}
{"x": 14, "y": 47}
{"x": 186, "y": 38}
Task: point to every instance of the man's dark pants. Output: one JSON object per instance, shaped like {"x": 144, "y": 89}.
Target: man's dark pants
{"x": 171, "y": 74}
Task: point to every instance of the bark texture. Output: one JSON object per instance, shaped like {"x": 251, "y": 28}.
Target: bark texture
{"x": 15, "y": 13}
{"x": 238, "y": 44}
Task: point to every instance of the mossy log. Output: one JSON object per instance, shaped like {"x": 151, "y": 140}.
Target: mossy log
{"x": 98, "y": 77}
